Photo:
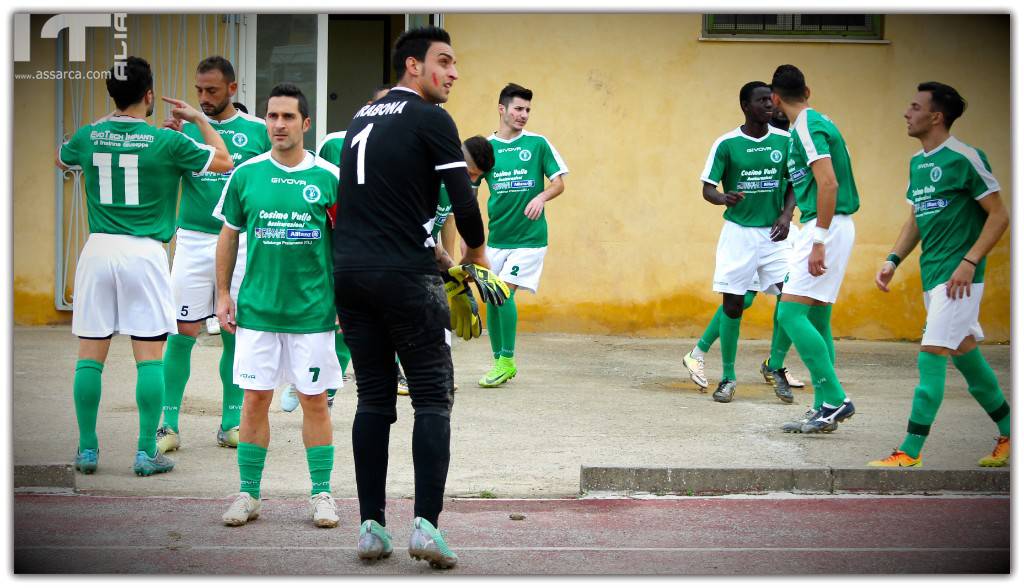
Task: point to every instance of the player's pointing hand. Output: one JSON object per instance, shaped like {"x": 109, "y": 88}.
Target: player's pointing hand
{"x": 182, "y": 110}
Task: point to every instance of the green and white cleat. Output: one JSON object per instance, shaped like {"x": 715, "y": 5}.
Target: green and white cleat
{"x": 427, "y": 543}
{"x": 227, "y": 438}
{"x": 374, "y": 541}
{"x": 167, "y": 440}
{"x": 695, "y": 365}
{"x": 503, "y": 371}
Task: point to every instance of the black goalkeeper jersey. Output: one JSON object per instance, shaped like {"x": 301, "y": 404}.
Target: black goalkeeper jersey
{"x": 396, "y": 151}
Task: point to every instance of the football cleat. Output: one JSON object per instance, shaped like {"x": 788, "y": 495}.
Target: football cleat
{"x": 1000, "y": 456}
{"x": 695, "y": 365}
{"x": 725, "y": 391}
{"x": 826, "y": 417}
{"x": 898, "y": 459}
{"x": 374, "y": 541}
{"x": 167, "y": 440}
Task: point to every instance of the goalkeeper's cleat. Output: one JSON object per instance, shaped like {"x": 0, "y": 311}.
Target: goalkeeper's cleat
{"x": 87, "y": 460}
{"x": 427, "y": 543}
{"x": 245, "y": 508}
{"x": 898, "y": 459}
{"x": 289, "y": 398}
{"x": 828, "y": 417}
{"x": 227, "y": 438}
{"x": 797, "y": 425}
{"x": 403, "y": 385}
{"x": 696, "y": 367}
{"x": 167, "y": 440}
{"x": 503, "y": 371}
{"x": 1000, "y": 456}
{"x": 324, "y": 510}
{"x": 147, "y": 466}
{"x": 374, "y": 541}
{"x": 725, "y": 391}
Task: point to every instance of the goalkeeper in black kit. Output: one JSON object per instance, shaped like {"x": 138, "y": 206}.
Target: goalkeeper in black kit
{"x": 389, "y": 291}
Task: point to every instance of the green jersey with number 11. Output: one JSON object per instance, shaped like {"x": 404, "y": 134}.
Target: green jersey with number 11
{"x": 132, "y": 170}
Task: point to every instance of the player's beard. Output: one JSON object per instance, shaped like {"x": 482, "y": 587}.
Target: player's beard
{"x": 150, "y": 109}
{"x": 217, "y": 109}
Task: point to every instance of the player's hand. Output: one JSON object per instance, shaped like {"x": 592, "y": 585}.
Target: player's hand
{"x": 226, "y": 313}
{"x": 885, "y": 275}
{"x": 173, "y": 124}
{"x": 534, "y": 208}
{"x": 816, "y": 262}
{"x": 182, "y": 110}
{"x": 465, "y": 314}
{"x": 959, "y": 285}
{"x": 492, "y": 289}
{"x": 780, "y": 229}
{"x": 732, "y": 198}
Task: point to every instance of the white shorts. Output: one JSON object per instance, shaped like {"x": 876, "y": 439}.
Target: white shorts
{"x": 194, "y": 276}
{"x": 521, "y": 267}
{"x": 747, "y": 258}
{"x": 950, "y": 321}
{"x": 265, "y": 360}
{"x": 838, "y": 245}
{"x": 122, "y": 285}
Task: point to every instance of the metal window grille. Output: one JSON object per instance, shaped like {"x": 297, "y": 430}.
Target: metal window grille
{"x": 824, "y": 26}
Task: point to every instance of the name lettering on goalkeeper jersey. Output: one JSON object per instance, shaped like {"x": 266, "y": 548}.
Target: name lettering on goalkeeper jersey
{"x": 382, "y": 109}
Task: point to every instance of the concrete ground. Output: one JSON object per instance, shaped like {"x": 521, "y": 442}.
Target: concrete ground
{"x": 578, "y": 400}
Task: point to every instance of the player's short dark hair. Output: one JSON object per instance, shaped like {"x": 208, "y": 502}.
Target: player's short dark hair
{"x": 511, "y": 91}
{"x": 945, "y": 99}
{"x": 415, "y": 43}
{"x": 138, "y": 80}
{"x": 240, "y": 106}
{"x": 481, "y": 151}
{"x": 293, "y": 91}
{"x": 748, "y": 90}
{"x": 216, "y": 62}
{"x": 789, "y": 83}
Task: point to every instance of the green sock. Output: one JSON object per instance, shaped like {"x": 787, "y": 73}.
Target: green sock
{"x": 232, "y": 395}
{"x": 250, "y": 468}
{"x": 813, "y": 351}
{"x": 87, "y": 387}
{"x": 494, "y": 329}
{"x": 177, "y": 366}
{"x": 730, "y": 336}
{"x": 149, "y": 391}
{"x": 927, "y": 400}
{"x": 780, "y": 340}
{"x": 509, "y": 318}
{"x": 342, "y": 351}
{"x": 984, "y": 387}
{"x": 321, "y": 463}
{"x": 821, "y": 318}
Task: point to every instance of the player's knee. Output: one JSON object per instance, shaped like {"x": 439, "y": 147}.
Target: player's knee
{"x": 733, "y": 306}
{"x": 190, "y": 329}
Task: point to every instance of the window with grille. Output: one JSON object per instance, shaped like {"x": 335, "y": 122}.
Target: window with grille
{"x": 816, "y": 26}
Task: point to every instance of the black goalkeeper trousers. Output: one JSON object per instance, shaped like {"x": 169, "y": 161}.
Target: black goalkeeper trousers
{"x": 381, "y": 314}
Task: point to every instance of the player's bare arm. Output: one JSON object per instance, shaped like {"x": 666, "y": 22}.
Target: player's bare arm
{"x": 959, "y": 285}
{"x": 227, "y": 254}
{"x": 535, "y": 207}
{"x": 780, "y": 229}
{"x": 828, "y": 187}
{"x": 908, "y": 238}
{"x": 181, "y": 110}
{"x": 711, "y": 194}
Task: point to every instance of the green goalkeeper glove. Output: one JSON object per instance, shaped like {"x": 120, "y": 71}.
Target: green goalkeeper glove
{"x": 465, "y": 314}
{"x": 492, "y": 289}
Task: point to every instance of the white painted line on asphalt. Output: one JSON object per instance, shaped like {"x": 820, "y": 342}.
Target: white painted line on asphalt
{"x": 520, "y": 549}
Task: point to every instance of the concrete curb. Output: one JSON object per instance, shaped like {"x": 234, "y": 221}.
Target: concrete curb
{"x": 717, "y": 481}
{"x": 49, "y": 475}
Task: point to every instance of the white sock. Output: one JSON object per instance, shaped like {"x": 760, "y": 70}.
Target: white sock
{"x": 697, "y": 352}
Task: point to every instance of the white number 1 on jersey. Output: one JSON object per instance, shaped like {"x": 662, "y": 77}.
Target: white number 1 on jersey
{"x": 360, "y": 140}
{"x": 130, "y": 163}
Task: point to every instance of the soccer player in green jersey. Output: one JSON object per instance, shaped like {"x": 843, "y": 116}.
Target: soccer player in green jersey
{"x": 192, "y": 272}
{"x": 749, "y": 163}
{"x": 284, "y": 319}
{"x": 822, "y": 179}
{"x": 957, "y": 215}
{"x": 517, "y": 229}
{"x": 122, "y": 282}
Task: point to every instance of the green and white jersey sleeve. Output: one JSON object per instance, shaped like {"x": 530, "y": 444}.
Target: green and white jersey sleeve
{"x": 944, "y": 189}
{"x": 132, "y": 171}
{"x": 755, "y": 167}
{"x": 289, "y": 280}
{"x": 520, "y": 166}
{"x": 814, "y": 136}
{"x": 331, "y": 147}
{"x": 444, "y": 210}
{"x": 245, "y": 137}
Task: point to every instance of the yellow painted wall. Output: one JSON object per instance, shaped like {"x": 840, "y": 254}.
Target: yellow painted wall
{"x": 634, "y": 102}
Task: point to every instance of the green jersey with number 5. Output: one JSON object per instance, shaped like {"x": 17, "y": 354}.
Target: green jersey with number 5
{"x": 132, "y": 170}
{"x": 520, "y": 166}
